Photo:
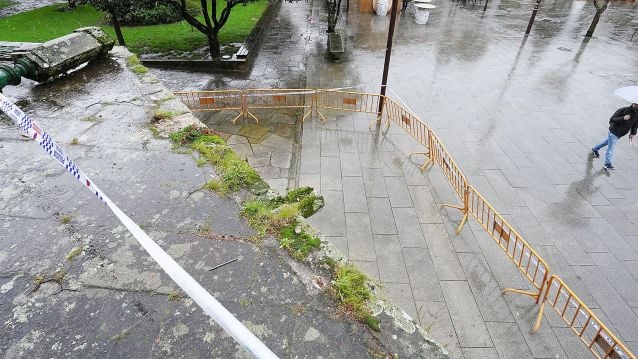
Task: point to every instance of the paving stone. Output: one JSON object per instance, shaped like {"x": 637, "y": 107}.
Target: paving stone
{"x": 409, "y": 229}
{"x": 254, "y": 131}
{"x": 435, "y": 320}
{"x": 341, "y": 243}
{"x": 279, "y": 185}
{"x": 310, "y": 180}
{"x": 574, "y": 348}
{"x": 259, "y": 148}
{"x": 331, "y": 174}
{"x": 269, "y": 172}
{"x": 347, "y": 143}
{"x": 446, "y": 263}
{"x": 259, "y": 160}
{"x": 390, "y": 259}
{"x": 424, "y": 205}
{"x": 369, "y": 268}
{"x": 280, "y": 159}
{"x": 468, "y": 324}
{"x": 278, "y": 142}
{"x": 488, "y": 295}
{"x": 234, "y": 139}
{"x": 508, "y": 340}
{"x": 425, "y": 284}
{"x": 243, "y": 150}
{"x": 381, "y": 216}
{"x": 398, "y": 192}
{"x": 391, "y": 163}
{"x": 401, "y": 295}
{"x": 330, "y": 220}
{"x": 374, "y": 183}
{"x": 480, "y": 353}
{"x": 543, "y": 343}
{"x": 329, "y": 144}
{"x": 360, "y": 242}
{"x": 310, "y": 160}
{"x": 354, "y": 195}
{"x": 350, "y": 164}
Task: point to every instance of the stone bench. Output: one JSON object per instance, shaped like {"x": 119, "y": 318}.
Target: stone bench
{"x": 242, "y": 53}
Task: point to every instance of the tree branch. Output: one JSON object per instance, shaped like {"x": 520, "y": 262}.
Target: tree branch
{"x": 226, "y": 12}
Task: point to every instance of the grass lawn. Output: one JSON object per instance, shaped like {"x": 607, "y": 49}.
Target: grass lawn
{"x": 48, "y": 23}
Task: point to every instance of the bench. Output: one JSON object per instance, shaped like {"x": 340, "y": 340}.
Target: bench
{"x": 242, "y": 53}
{"x": 335, "y": 45}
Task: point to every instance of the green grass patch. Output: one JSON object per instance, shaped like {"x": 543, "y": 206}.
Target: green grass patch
{"x": 350, "y": 288}
{"x": 235, "y": 173}
{"x": 298, "y": 242}
{"x": 47, "y": 23}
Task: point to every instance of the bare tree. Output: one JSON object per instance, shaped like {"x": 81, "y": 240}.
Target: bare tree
{"x": 212, "y": 23}
{"x": 600, "y": 8}
{"x": 116, "y": 9}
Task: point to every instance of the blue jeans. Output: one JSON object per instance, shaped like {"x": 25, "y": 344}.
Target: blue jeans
{"x": 610, "y": 142}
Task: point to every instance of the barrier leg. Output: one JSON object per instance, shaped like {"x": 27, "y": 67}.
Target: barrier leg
{"x": 464, "y": 209}
{"x": 539, "y": 317}
{"x": 237, "y": 117}
{"x": 425, "y": 164}
{"x": 323, "y": 119}
{"x": 251, "y": 115}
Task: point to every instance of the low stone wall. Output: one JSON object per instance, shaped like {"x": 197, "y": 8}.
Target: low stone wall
{"x": 252, "y": 43}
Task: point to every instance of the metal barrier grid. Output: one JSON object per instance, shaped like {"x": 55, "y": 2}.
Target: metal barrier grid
{"x": 411, "y": 124}
{"x": 600, "y": 341}
{"x": 515, "y": 247}
{"x": 279, "y": 98}
{"x": 347, "y": 101}
{"x": 202, "y": 101}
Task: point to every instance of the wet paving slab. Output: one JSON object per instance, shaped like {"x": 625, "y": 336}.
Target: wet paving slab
{"x": 519, "y": 116}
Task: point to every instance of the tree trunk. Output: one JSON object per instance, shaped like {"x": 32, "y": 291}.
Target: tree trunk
{"x": 118, "y": 30}
{"x": 594, "y": 23}
{"x": 213, "y": 44}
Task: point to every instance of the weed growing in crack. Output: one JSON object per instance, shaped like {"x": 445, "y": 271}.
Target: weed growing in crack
{"x": 74, "y": 253}
{"x": 66, "y": 219}
{"x": 350, "y": 287}
{"x": 174, "y": 296}
{"x": 75, "y": 141}
{"x": 235, "y": 173}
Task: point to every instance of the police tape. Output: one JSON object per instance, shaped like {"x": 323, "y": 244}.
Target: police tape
{"x": 185, "y": 281}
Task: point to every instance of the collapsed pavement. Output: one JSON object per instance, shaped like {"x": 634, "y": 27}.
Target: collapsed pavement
{"x": 75, "y": 283}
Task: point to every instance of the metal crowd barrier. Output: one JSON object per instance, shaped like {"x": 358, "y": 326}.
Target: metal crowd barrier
{"x": 591, "y": 331}
{"x": 347, "y": 101}
{"x": 412, "y": 125}
{"x": 202, "y": 101}
{"x": 278, "y": 98}
{"x": 515, "y": 247}
{"x": 600, "y": 341}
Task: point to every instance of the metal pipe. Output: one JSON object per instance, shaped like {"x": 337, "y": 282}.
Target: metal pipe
{"x": 388, "y": 53}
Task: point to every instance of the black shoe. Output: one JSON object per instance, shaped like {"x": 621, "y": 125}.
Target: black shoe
{"x": 608, "y": 167}
{"x": 596, "y": 154}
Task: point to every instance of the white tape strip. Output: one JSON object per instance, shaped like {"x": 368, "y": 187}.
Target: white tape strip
{"x": 190, "y": 286}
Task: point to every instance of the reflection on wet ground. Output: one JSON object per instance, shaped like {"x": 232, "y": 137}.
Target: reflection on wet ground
{"x": 519, "y": 116}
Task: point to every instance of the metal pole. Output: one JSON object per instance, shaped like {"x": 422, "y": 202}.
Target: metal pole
{"x": 531, "y": 19}
{"x": 388, "y": 52}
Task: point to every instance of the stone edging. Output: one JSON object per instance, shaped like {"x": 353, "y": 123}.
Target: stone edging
{"x": 252, "y": 42}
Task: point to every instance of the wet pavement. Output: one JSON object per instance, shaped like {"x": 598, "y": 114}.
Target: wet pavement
{"x": 73, "y": 281}
{"x": 519, "y": 117}
{"x": 17, "y": 6}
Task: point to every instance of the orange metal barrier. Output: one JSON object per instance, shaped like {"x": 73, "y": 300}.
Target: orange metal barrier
{"x": 347, "y": 101}
{"x": 279, "y": 98}
{"x": 453, "y": 173}
{"x": 517, "y": 249}
{"x": 412, "y": 125}
{"x": 600, "y": 341}
{"x": 201, "y": 101}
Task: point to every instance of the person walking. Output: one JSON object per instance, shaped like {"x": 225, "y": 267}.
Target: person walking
{"x": 625, "y": 119}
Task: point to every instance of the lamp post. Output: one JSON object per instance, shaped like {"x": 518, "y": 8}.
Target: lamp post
{"x": 531, "y": 19}
{"x": 388, "y": 53}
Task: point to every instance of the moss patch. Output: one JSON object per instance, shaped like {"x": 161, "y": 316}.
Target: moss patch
{"x": 74, "y": 253}
{"x": 235, "y": 173}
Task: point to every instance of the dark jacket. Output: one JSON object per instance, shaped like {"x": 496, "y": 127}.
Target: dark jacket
{"x": 619, "y": 126}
